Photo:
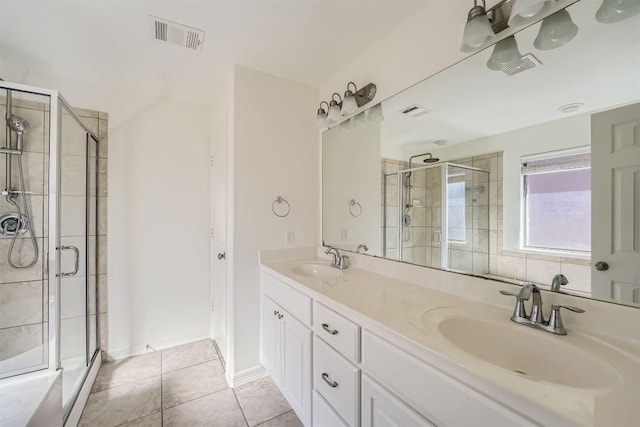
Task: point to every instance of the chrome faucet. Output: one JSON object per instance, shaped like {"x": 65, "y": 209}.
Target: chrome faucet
{"x": 338, "y": 261}
{"x": 536, "y": 318}
{"x": 557, "y": 281}
{"x": 362, "y": 246}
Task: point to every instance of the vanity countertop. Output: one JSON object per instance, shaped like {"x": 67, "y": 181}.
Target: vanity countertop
{"x": 402, "y": 307}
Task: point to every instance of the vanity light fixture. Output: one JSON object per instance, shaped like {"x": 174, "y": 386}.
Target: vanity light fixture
{"x": 349, "y": 104}
{"x": 525, "y": 12}
{"x": 477, "y": 30}
{"x": 338, "y": 107}
{"x": 505, "y": 55}
{"x": 321, "y": 117}
{"x": 612, "y": 11}
{"x": 334, "y": 108}
{"x": 556, "y": 31}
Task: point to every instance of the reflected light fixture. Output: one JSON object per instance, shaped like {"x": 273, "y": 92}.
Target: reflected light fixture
{"x": 321, "y": 117}
{"x": 349, "y": 104}
{"x": 526, "y": 12}
{"x": 334, "y": 108}
{"x": 505, "y": 54}
{"x": 375, "y": 114}
{"x": 477, "y": 30}
{"x": 612, "y": 11}
{"x": 556, "y": 31}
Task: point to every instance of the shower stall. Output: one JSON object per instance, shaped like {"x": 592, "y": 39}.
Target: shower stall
{"x": 48, "y": 240}
{"x": 438, "y": 216}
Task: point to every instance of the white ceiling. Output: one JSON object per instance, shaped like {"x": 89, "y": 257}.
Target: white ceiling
{"x": 600, "y": 68}
{"x": 108, "y": 41}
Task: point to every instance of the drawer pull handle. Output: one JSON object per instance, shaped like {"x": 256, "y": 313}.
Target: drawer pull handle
{"x": 325, "y": 326}
{"x": 280, "y": 316}
{"x": 326, "y": 379}
{"x": 276, "y": 312}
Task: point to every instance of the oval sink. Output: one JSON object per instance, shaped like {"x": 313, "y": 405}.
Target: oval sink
{"x": 316, "y": 270}
{"x": 530, "y": 353}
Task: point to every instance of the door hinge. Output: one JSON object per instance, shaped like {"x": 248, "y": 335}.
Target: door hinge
{"x": 211, "y": 160}
{"x": 211, "y": 233}
{"x": 211, "y": 305}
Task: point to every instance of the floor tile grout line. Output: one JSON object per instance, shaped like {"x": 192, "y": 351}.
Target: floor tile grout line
{"x": 197, "y": 398}
{"x": 191, "y": 366}
{"x": 273, "y": 418}
{"x": 239, "y": 406}
{"x": 136, "y": 419}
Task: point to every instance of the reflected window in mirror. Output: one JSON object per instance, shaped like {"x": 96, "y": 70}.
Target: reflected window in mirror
{"x": 557, "y": 202}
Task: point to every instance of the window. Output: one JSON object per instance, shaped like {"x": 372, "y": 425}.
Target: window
{"x": 557, "y": 201}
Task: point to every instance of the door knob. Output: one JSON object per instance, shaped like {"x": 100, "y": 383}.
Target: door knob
{"x": 222, "y": 255}
{"x": 602, "y": 266}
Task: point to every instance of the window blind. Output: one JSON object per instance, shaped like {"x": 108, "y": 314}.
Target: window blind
{"x": 555, "y": 164}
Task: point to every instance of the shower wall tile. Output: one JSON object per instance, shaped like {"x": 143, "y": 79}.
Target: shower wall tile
{"x": 102, "y": 216}
{"x": 84, "y": 113}
{"x": 36, "y": 204}
{"x": 103, "y": 302}
{"x": 73, "y": 220}
{"x": 22, "y": 254}
{"x": 102, "y": 255}
{"x": 72, "y": 180}
{"x": 103, "y": 135}
{"x": 33, "y": 139}
{"x": 102, "y": 177}
{"x": 21, "y": 304}
{"x": 33, "y": 172}
{"x": 73, "y": 338}
{"x": 22, "y": 347}
{"x": 72, "y": 297}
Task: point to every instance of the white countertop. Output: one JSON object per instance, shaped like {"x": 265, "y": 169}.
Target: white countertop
{"x": 401, "y": 306}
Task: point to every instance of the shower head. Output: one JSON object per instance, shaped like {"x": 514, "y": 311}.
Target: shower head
{"x": 18, "y": 124}
{"x": 431, "y": 159}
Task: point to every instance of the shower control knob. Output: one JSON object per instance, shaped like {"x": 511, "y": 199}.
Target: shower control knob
{"x": 602, "y": 266}
{"x": 222, "y": 255}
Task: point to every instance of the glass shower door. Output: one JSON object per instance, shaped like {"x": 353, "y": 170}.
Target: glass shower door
{"x": 74, "y": 199}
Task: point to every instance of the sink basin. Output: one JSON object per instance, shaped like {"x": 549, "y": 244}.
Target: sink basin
{"x": 316, "y": 270}
{"x": 523, "y": 351}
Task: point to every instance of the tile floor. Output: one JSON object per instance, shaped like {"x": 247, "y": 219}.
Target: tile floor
{"x": 181, "y": 386}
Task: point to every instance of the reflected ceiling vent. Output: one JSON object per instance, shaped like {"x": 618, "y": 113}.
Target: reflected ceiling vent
{"x": 174, "y": 33}
{"x": 528, "y": 62}
{"x": 414, "y": 111}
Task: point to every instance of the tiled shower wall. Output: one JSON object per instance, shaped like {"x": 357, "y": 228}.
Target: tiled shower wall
{"x": 23, "y": 292}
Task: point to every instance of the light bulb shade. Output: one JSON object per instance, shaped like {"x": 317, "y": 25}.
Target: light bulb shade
{"x": 525, "y": 12}
{"x": 505, "y": 54}
{"x": 349, "y": 104}
{"x": 321, "y": 119}
{"x": 375, "y": 114}
{"x": 334, "y": 112}
{"x": 612, "y": 11}
{"x": 477, "y": 32}
{"x": 556, "y": 31}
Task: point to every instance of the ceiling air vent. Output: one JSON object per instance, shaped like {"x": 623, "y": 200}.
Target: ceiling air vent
{"x": 528, "y": 62}
{"x": 414, "y": 110}
{"x": 166, "y": 31}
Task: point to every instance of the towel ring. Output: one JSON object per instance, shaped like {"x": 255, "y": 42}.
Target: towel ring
{"x": 279, "y": 201}
{"x": 352, "y": 207}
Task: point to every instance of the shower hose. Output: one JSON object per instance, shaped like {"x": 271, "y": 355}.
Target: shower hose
{"x": 29, "y": 222}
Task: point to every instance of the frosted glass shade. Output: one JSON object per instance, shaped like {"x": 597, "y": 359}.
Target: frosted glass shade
{"x": 477, "y": 32}
{"x": 525, "y": 12}
{"x": 321, "y": 120}
{"x": 612, "y": 11}
{"x": 505, "y": 54}
{"x": 349, "y": 104}
{"x": 334, "y": 112}
{"x": 375, "y": 114}
{"x": 556, "y": 31}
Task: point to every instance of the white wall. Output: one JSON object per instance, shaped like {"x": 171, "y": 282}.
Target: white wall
{"x": 158, "y": 214}
{"x": 275, "y": 153}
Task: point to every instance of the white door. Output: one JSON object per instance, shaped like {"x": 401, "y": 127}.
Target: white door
{"x": 615, "y": 229}
{"x": 382, "y": 409}
{"x": 271, "y": 339}
{"x": 296, "y": 366}
{"x": 218, "y": 272}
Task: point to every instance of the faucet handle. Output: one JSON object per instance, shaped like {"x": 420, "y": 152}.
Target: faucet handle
{"x": 519, "y": 311}
{"x": 555, "y": 325}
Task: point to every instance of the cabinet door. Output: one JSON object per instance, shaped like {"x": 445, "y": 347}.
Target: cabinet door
{"x": 382, "y": 409}
{"x": 271, "y": 331}
{"x": 296, "y": 366}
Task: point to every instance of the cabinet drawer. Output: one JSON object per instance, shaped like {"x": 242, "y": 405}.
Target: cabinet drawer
{"x": 342, "y": 334}
{"x": 433, "y": 394}
{"x": 296, "y": 303}
{"x": 323, "y": 413}
{"x": 337, "y": 380}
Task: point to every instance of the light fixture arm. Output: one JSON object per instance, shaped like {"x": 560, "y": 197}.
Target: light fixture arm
{"x": 355, "y": 88}
{"x": 333, "y": 101}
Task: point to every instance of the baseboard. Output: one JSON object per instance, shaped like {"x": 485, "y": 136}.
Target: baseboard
{"x": 83, "y": 396}
{"x": 246, "y": 376}
{"x": 124, "y": 353}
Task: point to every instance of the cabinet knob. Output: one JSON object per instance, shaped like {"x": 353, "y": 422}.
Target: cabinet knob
{"x": 602, "y": 266}
{"x": 222, "y": 255}
{"x": 280, "y": 316}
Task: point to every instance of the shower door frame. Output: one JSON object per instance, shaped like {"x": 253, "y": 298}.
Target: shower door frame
{"x": 53, "y": 254}
{"x": 444, "y": 229}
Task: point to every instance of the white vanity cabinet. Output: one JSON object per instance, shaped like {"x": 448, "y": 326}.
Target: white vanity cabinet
{"x": 286, "y": 345}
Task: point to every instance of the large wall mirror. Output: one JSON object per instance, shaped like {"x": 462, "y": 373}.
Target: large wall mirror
{"x": 514, "y": 170}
